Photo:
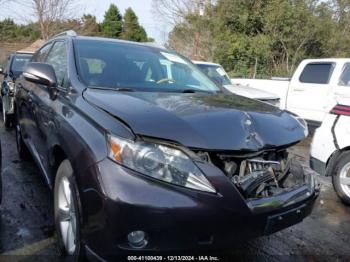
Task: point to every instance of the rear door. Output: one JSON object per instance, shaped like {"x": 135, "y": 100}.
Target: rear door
{"x": 310, "y": 90}
{"x": 25, "y": 106}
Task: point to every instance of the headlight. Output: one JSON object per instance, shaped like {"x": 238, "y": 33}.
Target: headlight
{"x": 158, "y": 161}
{"x": 303, "y": 123}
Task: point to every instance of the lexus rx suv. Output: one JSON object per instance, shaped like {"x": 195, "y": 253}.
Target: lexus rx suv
{"x": 145, "y": 153}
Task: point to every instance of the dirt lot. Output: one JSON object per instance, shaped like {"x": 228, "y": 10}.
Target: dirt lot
{"x": 27, "y": 230}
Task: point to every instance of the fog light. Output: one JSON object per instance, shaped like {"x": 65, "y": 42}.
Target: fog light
{"x": 137, "y": 239}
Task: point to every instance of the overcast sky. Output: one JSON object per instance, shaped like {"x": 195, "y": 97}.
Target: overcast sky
{"x": 143, "y": 9}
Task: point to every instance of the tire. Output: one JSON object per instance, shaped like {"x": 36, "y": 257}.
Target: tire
{"x": 7, "y": 119}
{"x": 22, "y": 149}
{"x": 0, "y": 175}
{"x": 341, "y": 177}
{"x": 67, "y": 213}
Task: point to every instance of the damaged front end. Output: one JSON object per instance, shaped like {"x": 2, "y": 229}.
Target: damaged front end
{"x": 268, "y": 180}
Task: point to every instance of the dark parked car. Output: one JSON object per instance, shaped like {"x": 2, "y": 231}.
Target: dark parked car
{"x": 14, "y": 68}
{"x": 143, "y": 156}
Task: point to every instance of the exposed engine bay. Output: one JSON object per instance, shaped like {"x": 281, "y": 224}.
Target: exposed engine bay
{"x": 261, "y": 175}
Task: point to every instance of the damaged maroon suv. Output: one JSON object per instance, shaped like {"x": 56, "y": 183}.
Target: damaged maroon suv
{"x": 144, "y": 153}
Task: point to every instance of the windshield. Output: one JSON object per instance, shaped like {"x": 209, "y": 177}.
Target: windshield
{"x": 216, "y": 73}
{"x": 122, "y": 65}
{"x": 19, "y": 62}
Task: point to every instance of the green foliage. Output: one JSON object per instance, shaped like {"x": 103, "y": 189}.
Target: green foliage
{"x": 112, "y": 24}
{"x": 12, "y": 32}
{"x": 132, "y": 30}
{"x": 265, "y": 37}
{"x": 89, "y": 26}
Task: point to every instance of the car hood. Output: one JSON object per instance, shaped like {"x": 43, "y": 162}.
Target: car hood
{"x": 202, "y": 121}
{"x": 251, "y": 92}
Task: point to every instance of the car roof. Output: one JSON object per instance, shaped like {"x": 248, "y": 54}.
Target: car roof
{"x": 332, "y": 60}
{"x": 152, "y": 45}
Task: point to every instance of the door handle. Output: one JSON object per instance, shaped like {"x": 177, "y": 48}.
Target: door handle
{"x": 299, "y": 89}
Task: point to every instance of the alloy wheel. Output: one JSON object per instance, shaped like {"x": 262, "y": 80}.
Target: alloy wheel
{"x": 3, "y": 113}
{"x": 345, "y": 179}
{"x": 67, "y": 215}
{"x": 18, "y": 137}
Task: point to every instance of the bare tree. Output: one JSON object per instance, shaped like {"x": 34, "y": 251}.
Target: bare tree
{"x": 174, "y": 11}
{"x": 49, "y": 13}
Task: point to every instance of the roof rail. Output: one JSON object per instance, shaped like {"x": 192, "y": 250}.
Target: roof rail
{"x": 66, "y": 33}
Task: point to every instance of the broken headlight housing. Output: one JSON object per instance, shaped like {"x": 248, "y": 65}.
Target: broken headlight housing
{"x": 303, "y": 123}
{"x": 158, "y": 161}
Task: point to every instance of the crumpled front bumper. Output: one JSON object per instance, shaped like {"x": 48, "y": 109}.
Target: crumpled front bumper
{"x": 294, "y": 195}
{"x": 289, "y": 207}
{"x": 178, "y": 219}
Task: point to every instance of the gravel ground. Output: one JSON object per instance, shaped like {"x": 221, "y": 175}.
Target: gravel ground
{"x": 27, "y": 231}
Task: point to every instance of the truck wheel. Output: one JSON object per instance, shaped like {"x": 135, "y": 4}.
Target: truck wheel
{"x": 341, "y": 177}
{"x": 22, "y": 149}
{"x": 67, "y": 212}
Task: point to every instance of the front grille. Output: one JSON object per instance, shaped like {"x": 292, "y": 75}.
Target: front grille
{"x": 254, "y": 165}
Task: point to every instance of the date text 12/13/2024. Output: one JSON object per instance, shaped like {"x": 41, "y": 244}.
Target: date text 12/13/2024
{"x": 173, "y": 258}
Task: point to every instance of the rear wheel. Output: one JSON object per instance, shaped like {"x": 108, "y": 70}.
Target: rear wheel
{"x": 22, "y": 149}
{"x": 66, "y": 209}
{"x": 341, "y": 178}
{"x": 0, "y": 174}
{"x": 7, "y": 119}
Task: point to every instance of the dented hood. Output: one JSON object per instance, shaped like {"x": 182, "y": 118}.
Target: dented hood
{"x": 202, "y": 121}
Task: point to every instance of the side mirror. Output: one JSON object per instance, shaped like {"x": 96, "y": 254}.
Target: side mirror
{"x": 1, "y": 71}
{"x": 43, "y": 74}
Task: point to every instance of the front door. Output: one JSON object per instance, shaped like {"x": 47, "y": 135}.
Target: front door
{"x": 44, "y": 105}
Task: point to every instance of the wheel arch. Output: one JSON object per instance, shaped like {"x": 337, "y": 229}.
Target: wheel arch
{"x": 333, "y": 160}
{"x": 57, "y": 155}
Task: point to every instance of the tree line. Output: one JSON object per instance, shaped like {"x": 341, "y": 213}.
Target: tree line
{"x": 114, "y": 25}
{"x": 258, "y": 37}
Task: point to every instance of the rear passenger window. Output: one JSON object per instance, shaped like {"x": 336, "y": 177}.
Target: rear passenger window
{"x": 317, "y": 73}
{"x": 345, "y": 76}
{"x": 58, "y": 59}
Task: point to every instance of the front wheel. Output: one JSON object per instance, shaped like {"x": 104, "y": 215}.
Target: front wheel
{"x": 66, "y": 211}
{"x": 341, "y": 178}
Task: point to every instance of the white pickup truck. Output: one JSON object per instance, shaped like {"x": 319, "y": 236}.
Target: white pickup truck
{"x": 312, "y": 91}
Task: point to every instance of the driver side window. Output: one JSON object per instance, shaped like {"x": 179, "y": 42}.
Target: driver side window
{"x": 58, "y": 59}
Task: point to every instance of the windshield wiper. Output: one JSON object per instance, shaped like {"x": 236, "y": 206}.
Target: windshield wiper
{"x": 190, "y": 91}
{"x": 120, "y": 89}
{"x": 124, "y": 89}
